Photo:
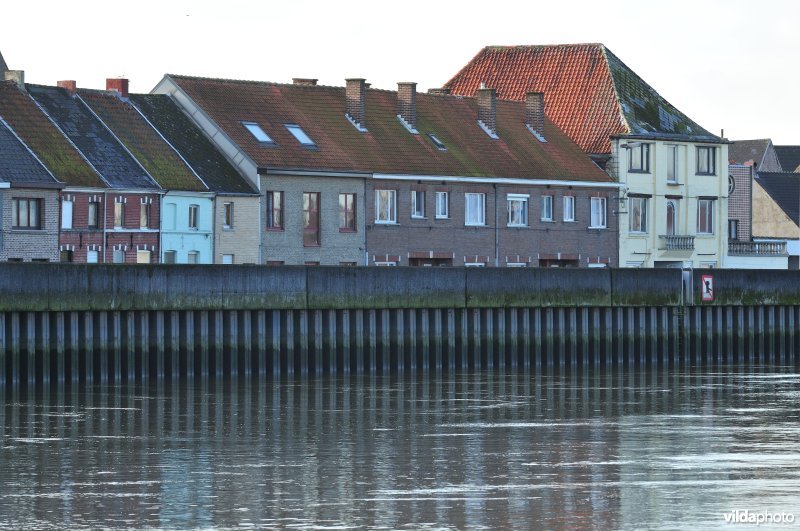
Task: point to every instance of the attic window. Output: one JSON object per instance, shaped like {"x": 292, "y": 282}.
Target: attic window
{"x": 300, "y": 135}
{"x": 438, "y": 143}
{"x": 257, "y": 132}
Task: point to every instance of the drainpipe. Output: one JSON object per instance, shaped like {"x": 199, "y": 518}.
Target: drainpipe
{"x": 214, "y": 229}
{"x": 105, "y": 224}
{"x": 496, "y": 230}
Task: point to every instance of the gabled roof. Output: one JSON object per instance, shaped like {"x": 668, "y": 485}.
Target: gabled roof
{"x": 789, "y": 156}
{"x": 211, "y": 165}
{"x": 589, "y": 92}
{"x": 96, "y": 143}
{"x": 18, "y": 166}
{"x": 38, "y": 132}
{"x": 139, "y": 137}
{"x": 3, "y": 66}
{"x": 387, "y": 146}
{"x": 744, "y": 151}
{"x": 784, "y": 189}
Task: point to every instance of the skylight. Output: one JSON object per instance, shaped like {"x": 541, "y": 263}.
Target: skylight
{"x": 300, "y": 135}
{"x": 438, "y": 143}
{"x": 257, "y": 132}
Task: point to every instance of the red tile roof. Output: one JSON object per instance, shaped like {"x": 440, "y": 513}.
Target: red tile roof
{"x": 387, "y": 147}
{"x": 589, "y": 92}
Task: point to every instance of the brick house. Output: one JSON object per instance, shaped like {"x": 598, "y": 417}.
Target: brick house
{"x": 336, "y": 167}
{"x": 674, "y": 173}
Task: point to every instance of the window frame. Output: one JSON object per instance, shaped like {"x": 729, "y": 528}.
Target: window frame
{"x": 69, "y": 219}
{"x": 144, "y": 216}
{"x": 350, "y": 200}
{"x": 227, "y": 215}
{"x": 708, "y": 219}
{"x": 119, "y": 214}
{"x": 418, "y": 204}
{"x": 547, "y": 208}
{"x": 173, "y": 257}
{"x": 311, "y": 219}
{"x": 568, "y": 200}
{"x": 92, "y": 215}
{"x": 255, "y": 129}
{"x": 603, "y": 211}
{"x": 272, "y": 210}
{"x": 140, "y": 254}
{"x": 710, "y": 160}
{"x": 301, "y": 136}
{"x": 115, "y": 253}
{"x": 673, "y": 157}
{"x": 467, "y": 210}
{"x": 643, "y": 158}
{"x": 390, "y": 201}
{"x": 16, "y": 213}
{"x": 674, "y": 204}
{"x": 193, "y": 254}
{"x": 437, "y": 196}
{"x": 194, "y": 214}
{"x": 637, "y": 226}
{"x": 733, "y": 235}
{"x": 524, "y": 200}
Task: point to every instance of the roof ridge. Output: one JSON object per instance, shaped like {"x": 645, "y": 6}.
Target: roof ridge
{"x": 254, "y": 82}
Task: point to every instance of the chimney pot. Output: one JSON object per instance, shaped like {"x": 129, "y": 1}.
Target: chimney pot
{"x": 407, "y": 103}
{"x": 487, "y": 109}
{"x": 69, "y": 85}
{"x": 534, "y": 111}
{"x": 355, "y": 93}
{"x": 305, "y": 81}
{"x": 118, "y": 84}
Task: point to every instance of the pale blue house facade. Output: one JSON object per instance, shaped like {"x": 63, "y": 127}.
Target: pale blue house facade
{"x": 187, "y": 228}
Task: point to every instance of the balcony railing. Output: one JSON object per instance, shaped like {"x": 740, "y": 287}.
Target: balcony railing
{"x": 671, "y": 242}
{"x": 756, "y": 248}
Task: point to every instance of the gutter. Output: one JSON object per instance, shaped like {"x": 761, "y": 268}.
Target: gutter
{"x": 498, "y": 180}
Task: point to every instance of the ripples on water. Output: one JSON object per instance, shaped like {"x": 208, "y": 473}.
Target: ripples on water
{"x": 424, "y": 451}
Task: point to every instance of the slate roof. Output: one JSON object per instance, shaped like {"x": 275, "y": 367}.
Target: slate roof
{"x": 589, "y": 92}
{"x": 18, "y": 166}
{"x": 789, "y": 157}
{"x": 784, "y": 188}
{"x": 743, "y": 151}
{"x": 139, "y": 137}
{"x": 96, "y": 143}
{"x": 387, "y": 147}
{"x": 211, "y": 165}
{"x": 38, "y": 132}
{"x": 3, "y": 66}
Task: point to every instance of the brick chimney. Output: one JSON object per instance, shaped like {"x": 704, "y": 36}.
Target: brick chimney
{"x": 118, "y": 84}
{"x": 534, "y": 111}
{"x": 355, "y": 92}
{"x": 69, "y": 85}
{"x": 17, "y": 76}
{"x": 304, "y": 81}
{"x": 487, "y": 109}
{"x": 407, "y": 103}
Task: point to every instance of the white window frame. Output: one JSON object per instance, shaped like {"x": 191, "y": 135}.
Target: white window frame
{"x": 194, "y": 217}
{"x": 442, "y": 205}
{"x": 523, "y": 210}
{"x": 516, "y": 264}
{"x": 569, "y": 208}
{"x": 228, "y": 259}
{"x": 709, "y": 221}
{"x": 386, "y": 264}
{"x": 673, "y": 158}
{"x": 474, "y": 264}
{"x": 418, "y": 204}
{"x": 119, "y": 215}
{"x": 597, "y": 206}
{"x": 674, "y": 204}
{"x": 637, "y": 226}
{"x": 387, "y": 215}
{"x": 227, "y": 215}
{"x": 92, "y": 257}
{"x": 66, "y": 214}
{"x": 469, "y": 217}
{"x": 547, "y": 208}
{"x": 258, "y": 132}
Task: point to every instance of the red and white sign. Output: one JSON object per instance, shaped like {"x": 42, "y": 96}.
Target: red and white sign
{"x": 707, "y": 286}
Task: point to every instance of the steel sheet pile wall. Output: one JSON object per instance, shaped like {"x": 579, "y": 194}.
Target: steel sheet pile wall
{"x": 129, "y": 323}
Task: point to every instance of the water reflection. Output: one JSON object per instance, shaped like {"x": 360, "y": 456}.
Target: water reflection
{"x": 461, "y": 451}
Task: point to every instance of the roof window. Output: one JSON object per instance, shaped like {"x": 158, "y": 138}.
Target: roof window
{"x": 438, "y": 143}
{"x": 257, "y": 132}
{"x": 300, "y": 135}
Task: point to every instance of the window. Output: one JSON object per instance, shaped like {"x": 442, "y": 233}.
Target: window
{"x": 569, "y": 208}
{"x": 705, "y": 216}
{"x": 66, "y": 214}
{"x": 275, "y": 210}
{"x": 142, "y": 257}
{"x": 516, "y": 264}
{"x": 639, "y": 160}
{"x": 442, "y": 205}
{"x": 706, "y": 163}
{"x": 193, "y": 257}
{"x": 638, "y": 214}
{"x": 310, "y": 218}
{"x": 547, "y": 208}
{"x": 386, "y": 264}
{"x": 598, "y": 213}
{"x": 144, "y": 215}
{"x": 119, "y": 214}
{"x": 672, "y": 217}
{"x": 257, "y": 132}
{"x": 436, "y": 142}
{"x": 193, "y": 216}
{"x": 385, "y": 206}
{"x": 227, "y": 223}
{"x": 733, "y": 229}
{"x": 672, "y": 164}
{"x": 170, "y": 257}
{"x": 92, "y": 214}
{"x": 66, "y": 256}
{"x": 118, "y": 257}
{"x": 227, "y": 259}
{"x": 517, "y": 210}
{"x": 300, "y": 135}
{"x": 417, "y": 204}
{"x": 474, "y": 264}
{"x": 347, "y": 212}
{"x": 92, "y": 257}
{"x": 26, "y": 213}
{"x": 474, "y": 209}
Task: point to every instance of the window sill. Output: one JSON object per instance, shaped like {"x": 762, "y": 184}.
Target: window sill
{"x": 570, "y": 221}
{"x": 547, "y": 220}
{"x": 597, "y": 228}
{"x": 347, "y": 231}
{"x": 518, "y": 226}
{"x": 442, "y": 217}
{"x": 419, "y": 217}
{"x": 674, "y": 183}
{"x": 476, "y": 225}
{"x": 312, "y": 245}
{"x": 273, "y": 229}
{"x": 641, "y": 172}
{"x": 706, "y": 174}
{"x": 385, "y": 223}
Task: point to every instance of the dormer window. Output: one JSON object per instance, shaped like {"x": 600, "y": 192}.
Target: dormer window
{"x": 257, "y": 132}
{"x": 300, "y": 135}
{"x": 436, "y": 142}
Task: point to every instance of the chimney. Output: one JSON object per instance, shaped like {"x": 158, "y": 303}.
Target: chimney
{"x": 69, "y": 85}
{"x": 118, "y": 84}
{"x": 534, "y": 111}
{"x": 304, "y": 81}
{"x": 407, "y": 103}
{"x": 487, "y": 110}
{"x": 17, "y": 76}
{"x": 439, "y": 91}
{"x": 355, "y": 92}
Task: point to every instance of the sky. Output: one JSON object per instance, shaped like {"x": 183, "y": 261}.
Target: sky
{"x": 729, "y": 65}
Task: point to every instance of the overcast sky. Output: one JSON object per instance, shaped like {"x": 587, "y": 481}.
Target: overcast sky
{"x": 732, "y": 65}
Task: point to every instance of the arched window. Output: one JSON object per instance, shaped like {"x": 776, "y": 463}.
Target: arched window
{"x": 672, "y": 217}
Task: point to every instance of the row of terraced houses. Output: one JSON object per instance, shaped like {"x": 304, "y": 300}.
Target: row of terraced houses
{"x": 536, "y": 156}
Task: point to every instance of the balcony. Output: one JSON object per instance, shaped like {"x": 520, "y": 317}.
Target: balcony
{"x": 673, "y": 242}
{"x": 737, "y": 248}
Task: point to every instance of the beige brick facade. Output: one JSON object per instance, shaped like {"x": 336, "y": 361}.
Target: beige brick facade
{"x": 242, "y": 240}
{"x": 30, "y": 244}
